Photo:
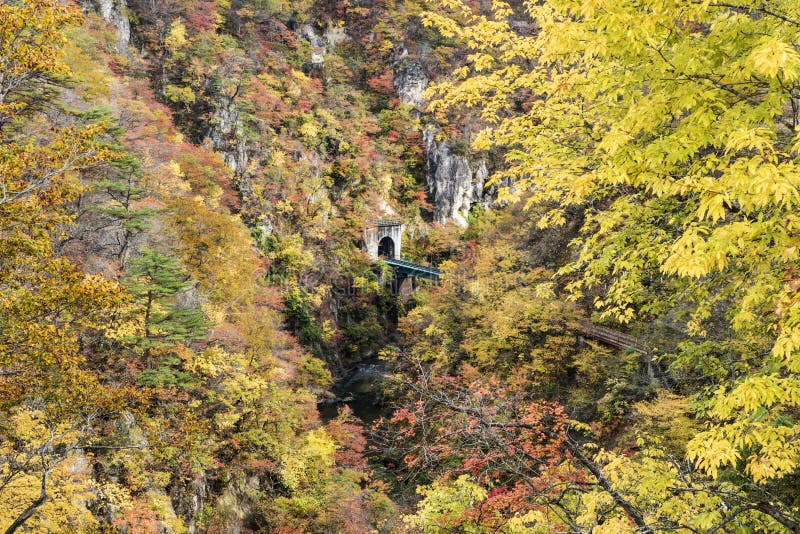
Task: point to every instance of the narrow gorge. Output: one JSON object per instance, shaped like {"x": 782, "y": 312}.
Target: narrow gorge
{"x": 399, "y": 266}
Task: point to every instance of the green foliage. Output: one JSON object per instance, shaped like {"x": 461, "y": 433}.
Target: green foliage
{"x": 155, "y": 280}
{"x": 165, "y": 373}
{"x": 444, "y": 505}
{"x": 55, "y": 401}
{"x": 498, "y": 311}
{"x": 678, "y": 141}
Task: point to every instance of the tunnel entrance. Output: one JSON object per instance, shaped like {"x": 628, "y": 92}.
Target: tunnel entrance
{"x": 384, "y": 239}
{"x": 386, "y": 248}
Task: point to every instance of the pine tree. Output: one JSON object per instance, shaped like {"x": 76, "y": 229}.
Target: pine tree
{"x": 155, "y": 280}
{"x": 120, "y": 189}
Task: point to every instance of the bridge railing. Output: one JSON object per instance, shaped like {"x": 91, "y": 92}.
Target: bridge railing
{"x": 410, "y": 264}
{"x": 411, "y": 260}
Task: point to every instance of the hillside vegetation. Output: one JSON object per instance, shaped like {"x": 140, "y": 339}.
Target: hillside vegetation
{"x": 185, "y": 297}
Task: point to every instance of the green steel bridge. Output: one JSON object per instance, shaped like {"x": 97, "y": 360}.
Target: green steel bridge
{"x": 406, "y": 269}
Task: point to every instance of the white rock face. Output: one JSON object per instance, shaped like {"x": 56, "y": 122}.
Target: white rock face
{"x": 115, "y": 13}
{"x": 227, "y": 138}
{"x": 335, "y": 35}
{"x": 319, "y": 44}
{"x": 451, "y": 180}
{"x": 196, "y": 500}
{"x": 410, "y": 80}
{"x": 453, "y": 183}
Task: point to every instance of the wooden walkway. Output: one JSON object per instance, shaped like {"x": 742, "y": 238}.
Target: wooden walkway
{"x": 617, "y": 339}
{"x": 614, "y": 338}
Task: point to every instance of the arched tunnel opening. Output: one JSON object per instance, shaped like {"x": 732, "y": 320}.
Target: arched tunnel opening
{"x": 386, "y": 248}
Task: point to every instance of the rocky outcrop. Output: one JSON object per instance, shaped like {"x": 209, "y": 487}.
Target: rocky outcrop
{"x": 410, "y": 79}
{"x": 227, "y": 137}
{"x": 115, "y": 13}
{"x": 190, "y": 500}
{"x": 321, "y": 45}
{"x": 454, "y": 185}
{"x": 226, "y": 131}
{"x": 335, "y": 35}
{"x": 318, "y": 43}
{"x": 132, "y": 435}
{"x": 236, "y": 503}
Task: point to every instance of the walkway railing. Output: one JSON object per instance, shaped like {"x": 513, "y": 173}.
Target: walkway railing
{"x": 613, "y": 337}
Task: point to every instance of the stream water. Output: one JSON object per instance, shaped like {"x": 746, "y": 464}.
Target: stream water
{"x": 360, "y": 389}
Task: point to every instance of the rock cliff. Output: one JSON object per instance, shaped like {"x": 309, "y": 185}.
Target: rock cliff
{"x": 455, "y": 184}
{"x": 115, "y": 13}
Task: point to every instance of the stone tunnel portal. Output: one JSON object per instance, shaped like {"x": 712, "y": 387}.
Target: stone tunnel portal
{"x": 384, "y": 239}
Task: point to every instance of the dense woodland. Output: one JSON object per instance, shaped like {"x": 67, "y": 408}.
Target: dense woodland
{"x": 184, "y": 290}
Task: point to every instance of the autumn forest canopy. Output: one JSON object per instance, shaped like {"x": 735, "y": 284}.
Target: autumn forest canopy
{"x": 196, "y": 335}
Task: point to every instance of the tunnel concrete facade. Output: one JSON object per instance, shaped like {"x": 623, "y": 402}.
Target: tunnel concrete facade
{"x": 384, "y": 238}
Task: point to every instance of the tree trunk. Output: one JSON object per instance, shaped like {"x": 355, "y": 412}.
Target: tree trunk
{"x": 30, "y": 510}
